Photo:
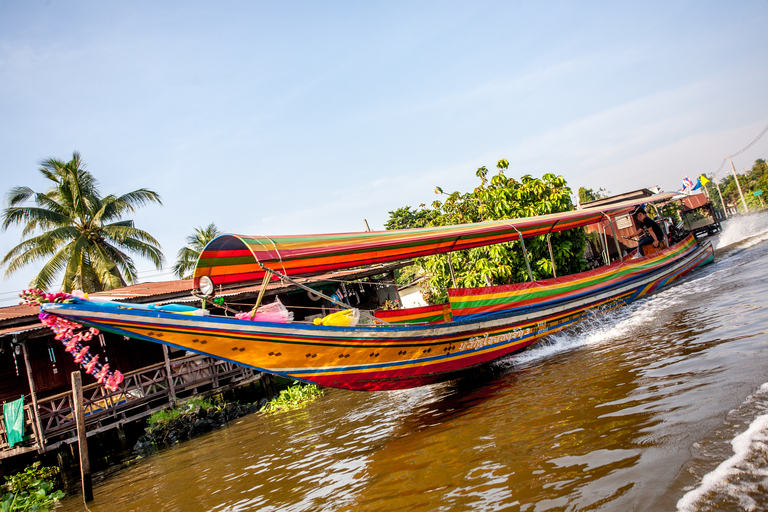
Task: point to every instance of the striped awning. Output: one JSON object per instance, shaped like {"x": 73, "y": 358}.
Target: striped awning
{"x": 237, "y": 258}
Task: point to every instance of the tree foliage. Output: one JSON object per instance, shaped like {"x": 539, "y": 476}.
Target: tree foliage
{"x": 81, "y": 234}
{"x": 751, "y": 181}
{"x": 186, "y": 259}
{"x": 587, "y": 194}
{"x": 405, "y": 218}
{"x": 500, "y": 197}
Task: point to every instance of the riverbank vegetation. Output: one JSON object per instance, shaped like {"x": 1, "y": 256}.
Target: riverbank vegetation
{"x": 188, "y": 419}
{"x": 160, "y": 419}
{"x": 34, "y": 489}
{"x": 199, "y": 415}
{"x": 753, "y": 180}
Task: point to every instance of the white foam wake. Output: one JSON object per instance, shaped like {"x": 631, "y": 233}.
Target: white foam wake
{"x": 752, "y": 440}
{"x": 753, "y": 228}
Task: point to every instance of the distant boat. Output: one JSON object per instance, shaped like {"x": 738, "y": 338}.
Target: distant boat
{"x": 476, "y": 326}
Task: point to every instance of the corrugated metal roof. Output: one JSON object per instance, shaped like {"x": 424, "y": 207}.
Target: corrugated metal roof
{"x": 18, "y": 311}
{"x": 143, "y": 290}
{"x": 19, "y": 329}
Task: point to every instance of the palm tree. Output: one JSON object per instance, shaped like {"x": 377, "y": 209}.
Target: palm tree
{"x": 81, "y": 234}
{"x": 186, "y": 259}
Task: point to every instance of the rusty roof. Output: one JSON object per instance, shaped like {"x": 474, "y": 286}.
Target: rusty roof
{"x": 19, "y": 311}
{"x": 144, "y": 290}
{"x": 19, "y": 329}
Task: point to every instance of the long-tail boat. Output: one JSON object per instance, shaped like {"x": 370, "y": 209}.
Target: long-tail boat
{"x": 477, "y": 326}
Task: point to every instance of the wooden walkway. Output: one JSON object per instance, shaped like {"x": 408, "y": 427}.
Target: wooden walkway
{"x": 142, "y": 392}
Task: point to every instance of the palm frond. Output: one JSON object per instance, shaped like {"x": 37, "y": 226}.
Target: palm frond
{"x": 36, "y": 248}
{"x": 106, "y": 267}
{"x": 37, "y": 216}
{"x": 120, "y": 232}
{"x": 115, "y": 207}
{"x": 18, "y": 195}
{"x": 52, "y": 268}
{"x": 143, "y": 249}
{"x": 186, "y": 258}
{"x": 123, "y": 263}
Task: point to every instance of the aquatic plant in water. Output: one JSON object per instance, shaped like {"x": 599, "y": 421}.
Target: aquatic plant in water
{"x": 293, "y": 397}
{"x": 32, "y": 489}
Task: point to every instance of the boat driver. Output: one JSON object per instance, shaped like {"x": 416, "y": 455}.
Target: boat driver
{"x": 654, "y": 235}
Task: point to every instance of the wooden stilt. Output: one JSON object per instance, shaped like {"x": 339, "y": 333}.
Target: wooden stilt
{"x": 82, "y": 439}
{"x": 169, "y": 377}
{"x": 39, "y": 434}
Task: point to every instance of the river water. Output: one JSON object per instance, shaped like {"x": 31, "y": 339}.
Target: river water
{"x": 660, "y": 405}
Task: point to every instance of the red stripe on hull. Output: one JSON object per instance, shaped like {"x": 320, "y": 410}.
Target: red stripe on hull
{"x": 409, "y": 377}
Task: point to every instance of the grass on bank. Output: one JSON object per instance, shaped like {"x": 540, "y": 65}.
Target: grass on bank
{"x": 293, "y": 397}
{"x": 162, "y": 418}
{"x": 33, "y": 489}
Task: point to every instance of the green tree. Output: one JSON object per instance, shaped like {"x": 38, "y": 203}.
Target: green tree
{"x": 405, "y": 218}
{"x": 503, "y": 198}
{"x": 81, "y": 234}
{"x": 186, "y": 259}
{"x": 758, "y": 180}
{"x": 587, "y": 194}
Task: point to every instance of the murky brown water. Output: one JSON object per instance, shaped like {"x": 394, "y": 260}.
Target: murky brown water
{"x": 629, "y": 412}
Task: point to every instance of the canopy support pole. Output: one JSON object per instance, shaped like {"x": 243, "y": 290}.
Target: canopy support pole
{"x": 551, "y": 256}
{"x": 604, "y": 243}
{"x": 450, "y": 267}
{"x": 525, "y": 253}
{"x": 318, "y": 293}
{"x": 615, "y": 238}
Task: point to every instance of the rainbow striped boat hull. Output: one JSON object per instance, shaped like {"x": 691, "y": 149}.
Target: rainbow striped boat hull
{"x": 488, "y": 323}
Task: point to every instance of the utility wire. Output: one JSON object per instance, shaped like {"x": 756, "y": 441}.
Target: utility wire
{"x": 751, "y": 143}
{"x": 742, "y": 149}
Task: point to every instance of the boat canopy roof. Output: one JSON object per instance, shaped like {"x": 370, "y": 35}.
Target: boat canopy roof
{"x": 230, "y": 259}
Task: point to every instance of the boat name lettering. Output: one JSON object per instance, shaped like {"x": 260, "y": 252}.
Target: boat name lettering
{"x": 486, "y": 339}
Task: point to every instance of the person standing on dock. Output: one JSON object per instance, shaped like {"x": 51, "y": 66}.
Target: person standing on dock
{"x": 654, "y": 234}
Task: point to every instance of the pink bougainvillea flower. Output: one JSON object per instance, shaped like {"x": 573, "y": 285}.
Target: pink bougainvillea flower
{"x": 65, "y": 332}
{"x": 81, "y": 354}
{"x": 101, "y": 375}
{"x": 71, "y": 345}
{"x": 91, "y": 366}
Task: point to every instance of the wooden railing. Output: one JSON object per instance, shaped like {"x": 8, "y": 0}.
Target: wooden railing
{"x": 141, "y": 393}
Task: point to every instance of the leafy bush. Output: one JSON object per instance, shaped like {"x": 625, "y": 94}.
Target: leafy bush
{"x": 293, "y": 397}
{"x": 165, "y": 416}
{"x": 32, "y": 489}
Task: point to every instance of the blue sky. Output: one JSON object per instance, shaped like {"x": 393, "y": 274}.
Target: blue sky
{"x": 307, "y": 117}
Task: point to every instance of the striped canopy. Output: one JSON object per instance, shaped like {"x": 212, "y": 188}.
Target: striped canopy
{"x": 237, "y": 258}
